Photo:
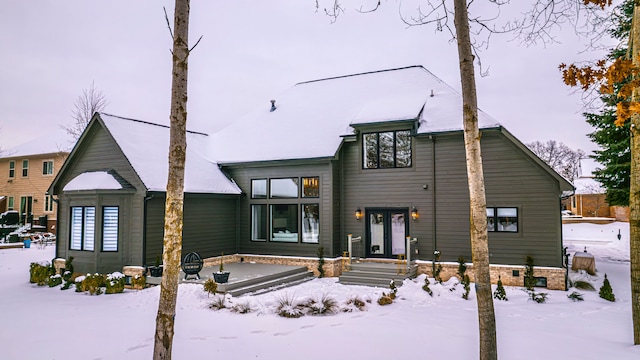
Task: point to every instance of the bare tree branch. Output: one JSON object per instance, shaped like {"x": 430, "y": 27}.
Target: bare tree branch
{"x": 90, "y": 102}
{"x": 166, "y": 17}
{"x": 196, "y": 44}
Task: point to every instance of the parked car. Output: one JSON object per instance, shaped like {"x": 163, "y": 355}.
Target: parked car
{"x": 10, "y": 217}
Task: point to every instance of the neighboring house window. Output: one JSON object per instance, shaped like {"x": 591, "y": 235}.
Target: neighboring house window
{"x": 310, "y": 223}
{"x": 48, "y": 203}
{"x": 390, "y": 149}
{"x": 259, "y": 222}
{"x": 110, "y": 228}
{"x": 502, "y": 219}
{"x": 25, "y": 168}
{"x": 83, "y": 223}
{"x": 12, "y": 169}
{"x": 47, "y": 167}
{"x": 259, "y": 189}
{"x": 10, "y": 203}
{"x": 292, "y": 221}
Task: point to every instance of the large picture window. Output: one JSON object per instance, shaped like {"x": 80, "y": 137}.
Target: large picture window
{"x": 310, "y": 223}
{"x": 284, "y": 222}
{"x": 83, "y": 222}
{"x": 390, "y": 149}
{"x": 259, "y": 222}
{"x": 502, "y": 219}
{"x": 110, "y": 228}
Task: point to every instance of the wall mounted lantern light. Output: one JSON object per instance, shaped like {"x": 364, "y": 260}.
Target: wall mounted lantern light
{"x": 414, "y": 214}
{"x": 358, "y": 214}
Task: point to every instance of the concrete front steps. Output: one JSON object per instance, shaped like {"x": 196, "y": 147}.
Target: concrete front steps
{"x": 267, "y": 283}
{"x": 377, "y": 274}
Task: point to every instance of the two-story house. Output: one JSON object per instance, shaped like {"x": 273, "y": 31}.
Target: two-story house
{"x": 26, "y": 172}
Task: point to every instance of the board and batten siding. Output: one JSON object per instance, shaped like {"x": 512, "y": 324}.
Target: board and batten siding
{"x": 388, "y": 188}
{"x": 209, "y": 228}
{"x": 243, "y": 175}
{"x": 512, "y": 179}
{"x": 98, "y": 152}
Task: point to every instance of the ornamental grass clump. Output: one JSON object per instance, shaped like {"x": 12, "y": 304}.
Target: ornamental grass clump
{"x": 219, "y": 302}
{"x": 242, "y": 308}
{"x": 355, "y": 302}
{"x": 323, "y": 305}
{"x": 575, "y": 296}
{"x": 289, "y": 307}
{"x": 114, "y": 283}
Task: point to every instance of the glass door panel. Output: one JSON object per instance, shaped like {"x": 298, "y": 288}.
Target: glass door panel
{"x": 398, "y": 232}
{"x": 386, "y": 232}
{"x": 376, "y": 233}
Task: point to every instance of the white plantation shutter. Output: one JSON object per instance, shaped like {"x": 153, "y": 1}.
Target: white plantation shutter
{"x": 110, "y": 228}
{"x": 89, "y": 227}
{"x": 76, "y": 228}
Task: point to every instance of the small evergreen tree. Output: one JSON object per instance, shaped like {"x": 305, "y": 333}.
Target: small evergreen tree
{"x": 500, "y": 292}
{"x": 606, "y": 292}
{"x": 464, "y": 278}
{"x": 529, "y": 279}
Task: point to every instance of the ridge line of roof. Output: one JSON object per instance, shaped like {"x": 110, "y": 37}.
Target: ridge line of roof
{"x": 358, "y": 74}
{"x": 149, "y": 123}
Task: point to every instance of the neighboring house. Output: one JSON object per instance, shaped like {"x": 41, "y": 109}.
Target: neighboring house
{"x": 589, "y": 199}
{"x": 378, "y": 155}
{"x": 26, "y": 172}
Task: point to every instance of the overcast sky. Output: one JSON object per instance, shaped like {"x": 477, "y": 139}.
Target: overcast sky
{"x": 250, "y": 52}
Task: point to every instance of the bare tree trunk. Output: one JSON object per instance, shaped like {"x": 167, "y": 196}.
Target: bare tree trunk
{"x": 475, "y": 176}
{"x": 634, "y": 197}
{"x": 173, "y": 219}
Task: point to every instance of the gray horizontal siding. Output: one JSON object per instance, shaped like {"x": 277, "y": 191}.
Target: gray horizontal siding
{"x": 209, "y": 225}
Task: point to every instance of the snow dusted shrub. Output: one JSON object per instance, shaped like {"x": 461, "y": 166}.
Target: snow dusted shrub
{"x": 606, "y": 292}
{"x": 78, "y": 283}
{"x": 437, "y": 269}
{"x": 219, "y": 302}
{"x": 54, "y": 280}
{"x": 93, "y": 284}
{"x": 289, "y": 307}
{"x": 355, "y": 302}
{"x": 575, "y": 296}
{"x": 39, "y": 273}
{"x": 114, "y": 283}
{"x": 500, "y": 293}
{"x": 322, "y": 305}
{"x": 67, "y": 279}
{"x": 385, "y": 299}
{"x": 242, "y": 308}
{"x": 138, "y": 282}
{"x": 540, "y": 297}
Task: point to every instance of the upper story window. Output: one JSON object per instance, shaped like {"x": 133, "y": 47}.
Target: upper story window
{"x": 310, "y": 187}
{"x": 25, "y": 168}
{"x": 259, "y": 189}
{"x": 47, "y": 167}
{"x": 12, "y": 169}
{"x": 389, "y": 149}
{"x": 283, "y": 188}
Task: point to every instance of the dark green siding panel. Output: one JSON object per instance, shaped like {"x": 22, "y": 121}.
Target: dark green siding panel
{"x": 209, "y": 225}
{"x": 243, "y": 175}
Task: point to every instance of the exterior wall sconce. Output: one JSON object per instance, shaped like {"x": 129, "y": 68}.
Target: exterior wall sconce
{"x": 358, "y": 214}
{"x": 414, "y": 214}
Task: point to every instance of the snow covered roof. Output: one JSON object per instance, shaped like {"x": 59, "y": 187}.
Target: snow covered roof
{"x": 585, "y": 183}
{"x": 96, "y": 180}
{"x": 146, "y": 146}
{"x": 53, "y": 142}
{"x": 586, "y": 168}
{"x": 311, "y": 117}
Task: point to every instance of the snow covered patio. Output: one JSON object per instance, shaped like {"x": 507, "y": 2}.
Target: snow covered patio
{"x": 46, "y": 323}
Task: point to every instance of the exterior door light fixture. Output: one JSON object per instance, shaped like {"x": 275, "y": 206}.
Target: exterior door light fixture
{"x": 414, "y": 214}
{"x": 358, "y": 214}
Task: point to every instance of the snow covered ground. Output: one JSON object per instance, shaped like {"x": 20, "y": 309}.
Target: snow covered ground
{"x": 46, "y": 323}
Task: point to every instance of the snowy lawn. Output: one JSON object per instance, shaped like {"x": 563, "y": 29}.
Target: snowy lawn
{"x": 46, "y": 323}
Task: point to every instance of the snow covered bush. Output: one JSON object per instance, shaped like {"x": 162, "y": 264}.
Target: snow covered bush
{"x": 138, "y": 282}
{"x": 39, "y": 273}
{"x": 54, "y": 280}
{"x": 219, "y": 302}
{"x": 68, "y": 280}
{"x": 575, "y": 296}
{"x": 385, "y": 299}
{"x": 425, "y": 287}
{"x": 500, "y": 293}
{"x": 355, "y": 302}
{"x": 114, "y": 283}
{"x": 289, "y": 307}
{"x": 323, "y": 305}
{"x": 540, "y": 297}
{"x": 242, "y": 308}
{"x": 93, "y": 284}
{"x": 78, "y": 283}
{"x": 437, "y": 269}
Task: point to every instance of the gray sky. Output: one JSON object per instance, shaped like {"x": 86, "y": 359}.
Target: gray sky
{"x": 252, "y": 51}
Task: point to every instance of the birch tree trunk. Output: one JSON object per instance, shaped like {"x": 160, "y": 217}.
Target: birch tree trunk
{"x": 173, "y": 219}
{"x": 475, "y": 176}
{"x": 634, "y": 198}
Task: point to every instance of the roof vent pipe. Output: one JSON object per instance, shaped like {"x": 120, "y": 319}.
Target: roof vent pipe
{"x": 431, "y": 92}
{"x": 273, "y": 106}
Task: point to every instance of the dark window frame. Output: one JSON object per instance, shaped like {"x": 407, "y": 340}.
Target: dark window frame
{"x": 265, "y": 224}
{"x": 47, "y": 167}
{"x": 270, "y": 188}
{"x": 266, "y": 188}
{"x": 394, "y": 150}
{"x": 495, "y": 217}
{"x": 302, "y": 188}
{"x": 82, "y": 230}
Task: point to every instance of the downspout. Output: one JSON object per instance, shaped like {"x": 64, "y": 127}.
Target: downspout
{"x": 237, "y": 227}
{"x": 57, "y": 227}
{"x": 144, "y": 228}
{"x": 433, "y": 202}
{"x": 342, "y": 208}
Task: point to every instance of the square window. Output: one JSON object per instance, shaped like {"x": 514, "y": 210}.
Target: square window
{"x": 507, "y": 219}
